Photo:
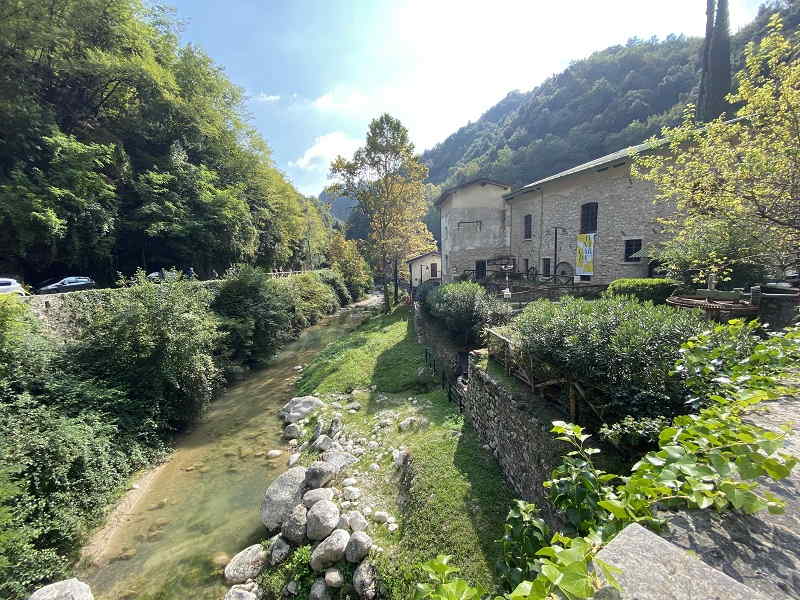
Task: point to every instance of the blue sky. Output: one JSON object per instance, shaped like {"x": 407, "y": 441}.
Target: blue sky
{"x": 317, "y": 71}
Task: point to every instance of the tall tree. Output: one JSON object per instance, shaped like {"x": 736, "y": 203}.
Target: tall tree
{"x": 741, "y": 175}
{"x": 386, "y": 178}
{"x": 715, "y": 83}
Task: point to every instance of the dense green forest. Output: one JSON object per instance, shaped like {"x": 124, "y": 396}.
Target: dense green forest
{"x": 121, "y": 148}
{"x": 615, "y": 98}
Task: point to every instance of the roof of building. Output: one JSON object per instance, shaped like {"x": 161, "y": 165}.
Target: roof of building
{"x": 592, "y": 164}
{"x": 436, "y": 252}
{"x": 481, "y": 180}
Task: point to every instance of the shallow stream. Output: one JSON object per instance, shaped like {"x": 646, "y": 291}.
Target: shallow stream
{"x": 167, "y": 538}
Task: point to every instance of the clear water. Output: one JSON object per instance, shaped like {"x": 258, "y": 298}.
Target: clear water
{"x": 205, "y": 500}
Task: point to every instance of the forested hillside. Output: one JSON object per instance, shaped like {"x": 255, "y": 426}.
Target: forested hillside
{"x": 120, "y": 148}
{"x": 615, "y": 98}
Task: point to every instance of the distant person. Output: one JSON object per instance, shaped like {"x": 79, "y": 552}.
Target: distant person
{"x": 190, "y": 273}
{"x": 214, "y": 274}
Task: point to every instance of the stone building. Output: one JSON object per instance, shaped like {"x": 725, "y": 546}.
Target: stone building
{"x": 539, "y": 226}
{"x": 424, "y": 267}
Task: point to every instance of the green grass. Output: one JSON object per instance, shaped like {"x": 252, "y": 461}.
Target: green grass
{"x": 382, "y": 352}
{"x": 457, "y": 501}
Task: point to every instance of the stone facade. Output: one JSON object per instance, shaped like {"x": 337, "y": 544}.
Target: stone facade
{"x": 625, "y": 211}
{"x": 473, "y": 225}
{"x": 481, "y": 222}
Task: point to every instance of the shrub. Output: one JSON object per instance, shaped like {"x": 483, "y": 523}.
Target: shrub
{"x": 154, "y": 342}
{"x": 608, "y": 350}
{"x": 334, "y": 279}
{"x": 424, "y": 289}
{"x": 655, "y": 290}
{"x": 465, "y": 309}
{"x": 307, "y": 298}
{"x": 254, "y": 315}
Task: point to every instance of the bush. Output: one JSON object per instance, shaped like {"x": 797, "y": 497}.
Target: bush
{"x": 424, "y": 289}
{"x": 334, "y": 279}
{"x": 254, "y": 315}
{"x": 307, "y": 298}
{"x": 655, "y": 290}
{"x": 612, "y": 351}
{"x": 465, "y": 309}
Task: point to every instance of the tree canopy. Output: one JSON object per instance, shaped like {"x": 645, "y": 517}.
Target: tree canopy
{"x": 122, "y": 148}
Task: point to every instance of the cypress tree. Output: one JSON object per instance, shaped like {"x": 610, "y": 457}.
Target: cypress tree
{"x": 715, "y": 83}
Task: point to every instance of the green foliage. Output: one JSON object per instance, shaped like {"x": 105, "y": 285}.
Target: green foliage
{"x": 524, "y": 534}
{"x": 655, "y": 290}
{"x": 254, "y": 316}
{"x": 307, "y": 298}
{"x": 335, "y": 280}
{"x": 295, "y": 568}
{"x": 465, "y": 309}
{"x": 127, "y": 149}
{"x": 424, "y": 289}
{"x": 616, "y": 353}
{"x": 443, "y": 585}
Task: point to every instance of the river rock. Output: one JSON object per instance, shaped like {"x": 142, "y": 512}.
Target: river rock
{"x": 274, "y": 453}
{"x": 319, "y": 473}
{"x": 353, "y": 406}
{"x": 294, "y": 528}
{"x": 319, "y": 591}
{"x": 335, "y": 429}
{"x": 292, "y": 431}
{"x": 247, "y": 564}
{"x": 282, "y": 495}
{"x": 356, "y": 521}
{"x": 364, "y": 581}
{"x": 358, "y": 547}
{"x": 381, "y": 516}
{"x": 293, "y": 458}
{"x": 407, "y": 424}
{"x": 69, "y": 589}
{"x": 299, "y": 408}
{"x": 339, "y": 459}
{"x": 322, "y": 443}
{"x": 279, "y": 550}
{"x": 245, "y": 591}
{"x": 311, "y": 497}
{"x": 333, "y": 578}
{"x": 321, "y": 520}
{"x": 330, "y": 550}
{"x": 350, "y": 481}
{"x": 351, "y": 493}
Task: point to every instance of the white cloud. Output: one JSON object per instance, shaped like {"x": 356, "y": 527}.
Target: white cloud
{"x": 263, "y": 97}
{"x": 324, "y": 150}
{"x": 341, "y": 101}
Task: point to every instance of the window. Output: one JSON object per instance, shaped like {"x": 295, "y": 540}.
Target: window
{"x": 631, "y": 248}
{"x": 528, "y": 229}
{"x": 480, "y": 270}
{"x": 546, "y": 267}
{"x": 589, "y": 217}
{"x": 526, "y": 263}
{"x": 434, "y": 271}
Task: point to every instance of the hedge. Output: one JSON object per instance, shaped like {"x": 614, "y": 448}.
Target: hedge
{"x": 465, "y": 309}
{"x": 655, "y": 290}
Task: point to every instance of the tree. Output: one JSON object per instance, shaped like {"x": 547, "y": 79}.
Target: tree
{"x": 743, "y": 173}
{"x": 386, "y": 178}
{"x": 344, "y": 256}
{"x": 715, "y": 83}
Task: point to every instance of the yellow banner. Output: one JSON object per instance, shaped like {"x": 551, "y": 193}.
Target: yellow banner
{"x": 584, "y": 259}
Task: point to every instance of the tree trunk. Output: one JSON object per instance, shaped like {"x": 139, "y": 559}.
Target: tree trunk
{"x": 396, "y": 283}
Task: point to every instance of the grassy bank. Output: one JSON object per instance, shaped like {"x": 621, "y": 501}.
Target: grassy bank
{"x": 457, "y": 501}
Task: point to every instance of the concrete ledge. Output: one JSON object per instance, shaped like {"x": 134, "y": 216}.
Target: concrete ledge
{"x": 654, "y": 569}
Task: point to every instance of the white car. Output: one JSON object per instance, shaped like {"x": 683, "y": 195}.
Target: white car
{"x": 11, "y": 286}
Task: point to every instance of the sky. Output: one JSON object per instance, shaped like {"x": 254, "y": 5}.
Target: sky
{"x": 317, "y": 71}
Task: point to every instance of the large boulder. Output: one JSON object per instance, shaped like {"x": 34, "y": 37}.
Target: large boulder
{"x": 282, "y": 495}
{"x": 69, "y": 589}
{"x": 311, "y": 497}
{"x": 299, "y": 408}
{"x": 294, "y": 528}
{"x": 365, "y": 581}
{"x": 245, "y": 591}
{"x": 358, "y": 547}
{"x": 322, "y": 443}
{"x": 321, "y": 520}
{"x": 292, "y": 431}
{"x": 319, "y": 473}
{"x": 330, "y": 550}
{"x": 339, "y": 459}
{"x": 356, "y": 521}
{"x": 247, "y": 564}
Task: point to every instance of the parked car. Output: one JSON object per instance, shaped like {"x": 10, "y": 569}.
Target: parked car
{"x": 11, "y": 286}
{"x": 67, "y": 284}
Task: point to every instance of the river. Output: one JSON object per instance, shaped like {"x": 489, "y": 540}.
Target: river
{"x": 167, "y": 536}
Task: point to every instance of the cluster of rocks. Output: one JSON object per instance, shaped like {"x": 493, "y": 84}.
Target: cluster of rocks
{"x": 302, "y": 506}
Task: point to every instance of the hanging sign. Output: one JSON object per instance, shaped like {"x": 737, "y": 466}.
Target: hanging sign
{"x": 584, "y": 259}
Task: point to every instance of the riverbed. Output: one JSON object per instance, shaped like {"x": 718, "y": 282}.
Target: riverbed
{"x": 169, "y": 536}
